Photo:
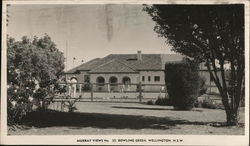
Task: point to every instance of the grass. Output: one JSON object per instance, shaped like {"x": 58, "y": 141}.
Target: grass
{"x": 127, "y": 118}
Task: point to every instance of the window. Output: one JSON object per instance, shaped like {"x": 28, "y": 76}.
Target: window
{"x": 86, "y": 78}
{"x": 149, "y": 78}
{"x": 157, "y": 78}
{"x": 143, "y": 78}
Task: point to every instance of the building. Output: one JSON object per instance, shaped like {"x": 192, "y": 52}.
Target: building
{"x": 212, "y": 88}
{"x": 124, "y": 71}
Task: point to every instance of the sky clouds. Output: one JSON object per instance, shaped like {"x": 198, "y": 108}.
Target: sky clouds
{"x": 89, "y": 31}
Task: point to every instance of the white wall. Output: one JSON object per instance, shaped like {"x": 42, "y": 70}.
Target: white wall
{"x": 133, "y": 77}
{"x": 152, "y": 75}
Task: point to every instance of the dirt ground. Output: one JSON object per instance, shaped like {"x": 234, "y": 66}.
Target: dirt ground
{"x": 93, "y": 118}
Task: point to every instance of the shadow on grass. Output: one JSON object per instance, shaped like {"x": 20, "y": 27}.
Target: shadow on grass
{"x": 100, "y": 120}
{"x": 140, "y": 108}
{"x": 146, "y": 108}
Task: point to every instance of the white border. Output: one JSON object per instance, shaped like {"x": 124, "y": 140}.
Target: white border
{"x": 72, "y": 140}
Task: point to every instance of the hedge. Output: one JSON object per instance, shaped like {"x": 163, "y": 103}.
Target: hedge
{"x": 183, "y": 83}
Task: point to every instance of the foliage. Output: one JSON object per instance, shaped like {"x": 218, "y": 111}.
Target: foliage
{"x": 160, "y": 101}
{"x": 150, "y": 102}
{"x": 209, "y": 103}
{"x": 86, "y": 87}
{"x": 182, "y": 80}
{"x": 163, "y": 101}
{"x": 213, "y": 34}
{"x": 70, "y": 104}
{"x": 33, "y": 67}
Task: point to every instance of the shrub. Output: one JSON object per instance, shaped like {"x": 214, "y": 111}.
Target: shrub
{"x": 70, "y": 105}
{"x": 182, "y": 81}
{"x": 210, "y": 104}
{"x": 16, "y": 111}
{"x": 33, "y": 68}
{"x": 163, "y": 101}
{"x": 197, "y": 103}
{"x": 86, "y": 87}
{"x": 150, "y": 102}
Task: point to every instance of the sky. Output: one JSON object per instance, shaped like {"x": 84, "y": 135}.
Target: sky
{"x": 88, "y": 31}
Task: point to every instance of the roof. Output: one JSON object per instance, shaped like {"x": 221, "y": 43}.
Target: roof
{"x": 113, "y": 66}
{"x": 86, "y": 66}
{"x": 127, "y": 63}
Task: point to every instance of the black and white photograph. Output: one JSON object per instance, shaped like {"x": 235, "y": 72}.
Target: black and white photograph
{"x": 125, "y": 72}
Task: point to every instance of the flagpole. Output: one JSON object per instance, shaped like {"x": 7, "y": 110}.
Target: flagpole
{"x": 74, "y": 61}
{"x": 66, "y": 55}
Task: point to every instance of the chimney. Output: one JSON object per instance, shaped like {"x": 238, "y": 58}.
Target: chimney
{"x": 139, "y": 55}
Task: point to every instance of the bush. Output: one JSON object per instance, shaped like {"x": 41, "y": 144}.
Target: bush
{"x": 86, "y": 87}
{"x": 182, "y": 81}
{"x": 33, "y": 68}
{"x": 70, "y": 104}
{"x": 208, "y": 103}
{"x": 16, "y": 111}
{"x": 150, "y": 102}
{"x": 163, "y": 101}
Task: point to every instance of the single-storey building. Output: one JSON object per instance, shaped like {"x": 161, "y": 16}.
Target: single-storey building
{"x": 124, "y": 70}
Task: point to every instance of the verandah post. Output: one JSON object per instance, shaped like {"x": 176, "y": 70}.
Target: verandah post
{"x": 140, "y": 92}
{"x": 91, "y": 88}
{"x": 80, "y": 89}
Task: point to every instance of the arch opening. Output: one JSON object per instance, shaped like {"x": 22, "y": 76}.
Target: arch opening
{"x": 126, "y": 83}
{"x": 126, "y": 80}
{"x": 100, "y": 81}
{"x": 113, "y": 83}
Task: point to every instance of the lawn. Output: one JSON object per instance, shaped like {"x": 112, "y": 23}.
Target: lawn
{"x": 93, "y": 118}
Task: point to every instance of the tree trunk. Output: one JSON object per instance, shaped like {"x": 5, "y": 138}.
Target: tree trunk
{"x": 232, "y": 114}
{"x": 232, "y": 117}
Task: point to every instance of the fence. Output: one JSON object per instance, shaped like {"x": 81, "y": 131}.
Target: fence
{"x": 118, "y": 92}
{"x": 111, "y": 92}
{"x": 70, "y": 93}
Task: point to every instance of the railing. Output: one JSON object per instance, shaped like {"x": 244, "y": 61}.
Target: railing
{"x": 133, "y": 92}
{"x": 111, "y": 91}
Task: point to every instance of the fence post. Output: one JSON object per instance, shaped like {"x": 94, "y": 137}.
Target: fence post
{"x": 140, "y": 92}
{"x": 91, "y": 88}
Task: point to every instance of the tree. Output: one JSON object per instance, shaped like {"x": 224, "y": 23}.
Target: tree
{"x": 213, "y": 34}
{"x": 33, "y": 69}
